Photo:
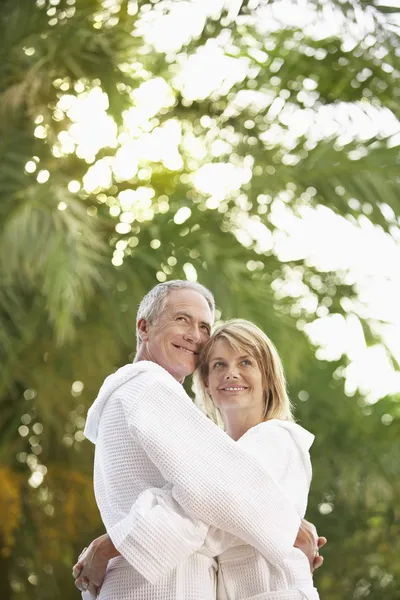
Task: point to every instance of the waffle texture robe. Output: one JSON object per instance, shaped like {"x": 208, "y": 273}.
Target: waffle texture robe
{"x": 244, "y": 573}
{"x": 282, "y": 448}
{"x": 148, "y": 434}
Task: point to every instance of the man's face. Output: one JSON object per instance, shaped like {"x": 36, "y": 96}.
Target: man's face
{"x": 175, "y": 338}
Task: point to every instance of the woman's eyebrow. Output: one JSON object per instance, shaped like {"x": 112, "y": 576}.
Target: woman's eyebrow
{"x": 220, "y": 358}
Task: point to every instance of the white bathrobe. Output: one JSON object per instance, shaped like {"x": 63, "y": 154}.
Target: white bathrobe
{"x": 148, "y": 434}
{"x": 244, "y": 573}
{"x": 282, "y": 448}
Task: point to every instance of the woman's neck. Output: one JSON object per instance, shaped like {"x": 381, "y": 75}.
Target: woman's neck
{"x": 238, "y": 421}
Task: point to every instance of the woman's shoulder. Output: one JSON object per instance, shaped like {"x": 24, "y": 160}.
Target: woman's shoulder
{"x": 284, "y": 431}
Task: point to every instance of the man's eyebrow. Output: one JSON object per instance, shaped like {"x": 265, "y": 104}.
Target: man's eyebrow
{"x": 190, "y": 316}
{"x": 206, "y": 323}
{"x": 184, "y": 313}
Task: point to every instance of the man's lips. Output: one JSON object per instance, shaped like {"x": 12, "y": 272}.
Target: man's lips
{"x": 187, "y": 350}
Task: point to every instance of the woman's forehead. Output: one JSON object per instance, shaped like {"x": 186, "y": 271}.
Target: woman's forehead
{"x": 229, "y": 346}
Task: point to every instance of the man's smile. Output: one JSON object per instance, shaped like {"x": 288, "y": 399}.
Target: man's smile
{"x": 187, "y": 350}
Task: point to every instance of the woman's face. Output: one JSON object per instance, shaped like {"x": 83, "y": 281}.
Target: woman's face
{"x": 235, "y": 380}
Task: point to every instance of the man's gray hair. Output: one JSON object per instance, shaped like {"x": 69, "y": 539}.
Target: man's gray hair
{"x": 155, "y": 301}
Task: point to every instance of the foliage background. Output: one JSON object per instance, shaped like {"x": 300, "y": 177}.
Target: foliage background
{"x": 73, "y": 268}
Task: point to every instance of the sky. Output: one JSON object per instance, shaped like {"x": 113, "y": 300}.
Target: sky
{"x": 369, "y": 257}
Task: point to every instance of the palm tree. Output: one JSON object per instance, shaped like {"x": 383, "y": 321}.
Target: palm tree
{"x": 71, "y": 278}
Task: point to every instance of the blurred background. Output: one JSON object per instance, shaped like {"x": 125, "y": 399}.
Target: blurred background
{"x": 252, "y": 146}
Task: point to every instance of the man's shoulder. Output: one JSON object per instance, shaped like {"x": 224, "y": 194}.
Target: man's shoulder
{"x": 128, "y": 382}
{"x": 136, "y": 377}
{"x": 144, "y": 375}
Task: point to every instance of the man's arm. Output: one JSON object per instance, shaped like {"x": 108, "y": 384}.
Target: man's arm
{"x": 160, "y": 516}
{"x": 165, "y": 519}
{"x": 90, "y": 568}
{"x": 157, "y": 534}
{"x": 212, "y": 478}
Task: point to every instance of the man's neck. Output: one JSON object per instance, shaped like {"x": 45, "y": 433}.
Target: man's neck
{"x": 144, "y": 354}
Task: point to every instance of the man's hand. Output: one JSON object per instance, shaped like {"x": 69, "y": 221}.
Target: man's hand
{"x": 92, "y": 563}
{"x": 308, "y": 542}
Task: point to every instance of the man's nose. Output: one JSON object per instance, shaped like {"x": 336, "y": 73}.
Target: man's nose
{"x": 193, "y": 335}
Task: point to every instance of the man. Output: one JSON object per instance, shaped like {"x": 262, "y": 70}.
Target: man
{"x": 148, "y": 434}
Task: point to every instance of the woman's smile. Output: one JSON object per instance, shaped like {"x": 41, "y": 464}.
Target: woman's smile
{"x": 235, "y": 382}
{"x": 234, "y": 388}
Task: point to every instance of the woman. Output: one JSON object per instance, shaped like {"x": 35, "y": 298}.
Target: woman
{"x": 240, "y": 383}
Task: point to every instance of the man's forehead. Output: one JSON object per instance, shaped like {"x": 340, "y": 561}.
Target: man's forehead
{"x": 189, "y": 302}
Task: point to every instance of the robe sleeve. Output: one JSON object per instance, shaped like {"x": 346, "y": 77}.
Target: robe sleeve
{"x": 279, "y": 455}
{"x": 157, "y": 534}
{"x": 212, "y": 478}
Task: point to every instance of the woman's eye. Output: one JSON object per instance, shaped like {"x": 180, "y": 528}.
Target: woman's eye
{"x": 247, "y": 362}
{"x": 218, "y": 364}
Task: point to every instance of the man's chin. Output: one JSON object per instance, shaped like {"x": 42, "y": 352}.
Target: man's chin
{"x": 187, "y": 370}
{"x": 185, "y": 358}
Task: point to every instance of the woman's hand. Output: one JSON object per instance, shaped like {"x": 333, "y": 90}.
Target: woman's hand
{"x": 308, "y": 542}
{"x": 92, "y": 563}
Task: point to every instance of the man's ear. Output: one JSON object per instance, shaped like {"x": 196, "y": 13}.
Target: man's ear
{"x": 143, "y": 329}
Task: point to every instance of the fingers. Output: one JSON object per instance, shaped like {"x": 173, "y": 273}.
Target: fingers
{"x": 76, "y": 570}
{"x": 318, "y": 562}
{"x": 93, "y": 589}
{"x": 83, "y": 552}
{"x": 82, "y": 583}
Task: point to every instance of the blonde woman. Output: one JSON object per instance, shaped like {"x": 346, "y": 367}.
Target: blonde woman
{"x": 241, "y": 385}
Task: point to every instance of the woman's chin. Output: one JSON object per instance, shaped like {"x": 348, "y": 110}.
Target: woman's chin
{"x": 233, "y": 403}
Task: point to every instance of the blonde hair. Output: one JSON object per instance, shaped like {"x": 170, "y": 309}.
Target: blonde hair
{"x": 242, "y": 336}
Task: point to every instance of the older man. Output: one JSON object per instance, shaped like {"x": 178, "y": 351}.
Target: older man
{"x": 148, "y": 434}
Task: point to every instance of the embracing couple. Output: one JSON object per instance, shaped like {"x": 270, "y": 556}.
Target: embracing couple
{"x": 193, "y": 512}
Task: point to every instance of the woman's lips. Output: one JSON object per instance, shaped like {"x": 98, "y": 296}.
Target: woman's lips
{"x": 236, "y": 388}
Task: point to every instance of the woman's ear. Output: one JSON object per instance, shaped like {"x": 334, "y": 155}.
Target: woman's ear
{"x": 143, "y": 329}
